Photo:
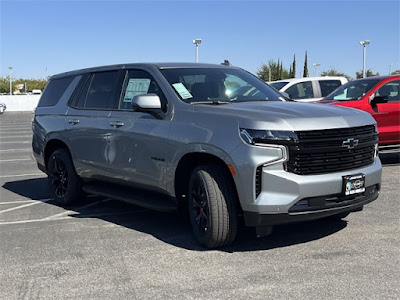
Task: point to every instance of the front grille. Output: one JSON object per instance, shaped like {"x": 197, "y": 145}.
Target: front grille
{"x": 322, "y": 151}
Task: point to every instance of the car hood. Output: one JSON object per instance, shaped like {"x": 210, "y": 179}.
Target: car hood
{"x": 277, "y": 115}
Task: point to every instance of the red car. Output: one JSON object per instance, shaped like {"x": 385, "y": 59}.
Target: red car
{"x": 380, "y": 96}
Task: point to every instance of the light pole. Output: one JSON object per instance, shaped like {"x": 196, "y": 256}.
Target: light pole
{"x": 197, "y": 42}
{"x": 364, "y": 44}
{"x": 10, "y": 68}
{"x": 315, "y": 68}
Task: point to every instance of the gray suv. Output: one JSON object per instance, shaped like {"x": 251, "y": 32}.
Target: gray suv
{"x": 211, "y": 140}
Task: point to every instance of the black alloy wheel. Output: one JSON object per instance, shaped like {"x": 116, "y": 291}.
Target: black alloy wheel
{"x": 199, "y": 205}
{"x": 64, "y": 183}
{"x": 59, "y": 177}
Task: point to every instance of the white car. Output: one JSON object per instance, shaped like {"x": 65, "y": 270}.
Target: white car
{"x": 308, "y": 89}
{"x": 2, "y": 107}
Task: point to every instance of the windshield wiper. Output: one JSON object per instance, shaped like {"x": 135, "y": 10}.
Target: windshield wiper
{"x": 211, "y": 102}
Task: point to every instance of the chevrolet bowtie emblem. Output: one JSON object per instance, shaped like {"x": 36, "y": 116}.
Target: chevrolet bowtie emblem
{"x": 350, "y": 143}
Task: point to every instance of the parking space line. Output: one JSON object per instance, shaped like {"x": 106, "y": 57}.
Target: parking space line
{"x": 11, "y": 132}
{"x": 14, "y": 150}
{"x": 71, "y": 217}
{"x": 15, "y": 136}
{"x": 17, "y": 142}
{"x": 22, "y": 175}
{"x": 16, "y": 159}
{"x": 71, "y": 211}
{"x": 17, "y": 202}
{"x": 25, "y": 205}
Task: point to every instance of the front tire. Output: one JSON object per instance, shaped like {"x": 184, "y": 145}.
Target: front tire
{"x": 65, "y": 184}
{"x": 212, "y": 206}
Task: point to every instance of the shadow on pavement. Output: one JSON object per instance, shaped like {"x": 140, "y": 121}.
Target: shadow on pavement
{"x": 174, "y": 229}
{"x": 390, "y": 159}
{"x": 34, "y": 189}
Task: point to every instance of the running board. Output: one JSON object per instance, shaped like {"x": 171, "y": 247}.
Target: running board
{"x": 146, "y": 199}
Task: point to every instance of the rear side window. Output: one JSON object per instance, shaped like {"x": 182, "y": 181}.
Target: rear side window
{"x": 101, "y": 91}
{"x": 302, "y": 90}
{"x": 54, "y": 90}
{"x": 328, "y": 86}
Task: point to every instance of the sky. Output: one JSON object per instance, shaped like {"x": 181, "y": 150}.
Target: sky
{"x": 40, "y": 38}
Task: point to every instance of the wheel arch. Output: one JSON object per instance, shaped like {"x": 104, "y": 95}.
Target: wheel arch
{"x": 188, "y": 163}
{"x": 52, "y": 146}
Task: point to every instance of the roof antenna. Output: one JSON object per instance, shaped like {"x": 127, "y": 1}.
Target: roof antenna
{"x": 226, "y": 63}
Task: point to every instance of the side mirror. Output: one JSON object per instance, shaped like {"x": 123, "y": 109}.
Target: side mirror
{"x": 146, "y": 101}
{"x": 378, "y": 99}
{"x": 286, "y": 95}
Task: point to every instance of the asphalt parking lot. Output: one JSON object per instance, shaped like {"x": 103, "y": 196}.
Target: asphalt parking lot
{"x": 106, "y": 249}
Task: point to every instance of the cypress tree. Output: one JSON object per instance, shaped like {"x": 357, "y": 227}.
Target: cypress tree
{"x": 294, "y": 67}
{"x": 305, "y": 72}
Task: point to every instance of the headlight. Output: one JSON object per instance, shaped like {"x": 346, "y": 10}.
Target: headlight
{"x": 253, "y": 136}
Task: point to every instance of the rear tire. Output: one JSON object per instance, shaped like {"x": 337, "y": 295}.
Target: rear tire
{"x": 212, "y": 206}
{"x": 65, "y": 184}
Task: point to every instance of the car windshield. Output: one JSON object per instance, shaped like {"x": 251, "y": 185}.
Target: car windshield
{"x": 278, "y": 85}
{"x": 218, "y": 85}
{"x": 353, "y": 90}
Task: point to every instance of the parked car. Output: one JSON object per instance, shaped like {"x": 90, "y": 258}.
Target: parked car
{"x": 308, "y": 89}
{"x": 3, "y": 107}
{"x": 378, "y": 96}
{"x": 155, "y": 134}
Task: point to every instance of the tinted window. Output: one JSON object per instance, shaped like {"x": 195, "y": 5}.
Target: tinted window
{"x": 390, "y": 90}
{"x": 139, "y": 82}
{"x": 302, "y": 90}
{"x": 83, "y": 93}
{"x": 54, "y": 90}
{"x": 328, "y": 86}
{"x": 278, "y": 85}
{"x": 101, "y": 91}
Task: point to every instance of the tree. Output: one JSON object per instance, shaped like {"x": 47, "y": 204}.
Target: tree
{"x": 397, "y": 72}
{"x": 293, "y": 75}
{"x": 333, "y": 72}
{"x": 278, "y": 71}
{"x": 31, "y": 84}
{"x": 305, "y": 71}
{"x": 368, "y": 73}
{"x": 5, "y": 84}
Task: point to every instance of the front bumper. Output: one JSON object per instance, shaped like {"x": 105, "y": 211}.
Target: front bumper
{"x": 314, "y": 208}
{"x": 287, "y": 197}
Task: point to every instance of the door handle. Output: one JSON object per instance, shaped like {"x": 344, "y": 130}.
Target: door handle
{"x": 73, "y": 121}
{"x": 116, "y": 124}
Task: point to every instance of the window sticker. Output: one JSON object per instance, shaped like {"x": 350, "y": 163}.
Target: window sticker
{"x": 136, "y": 87}
{"x": 181, "y": 89}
